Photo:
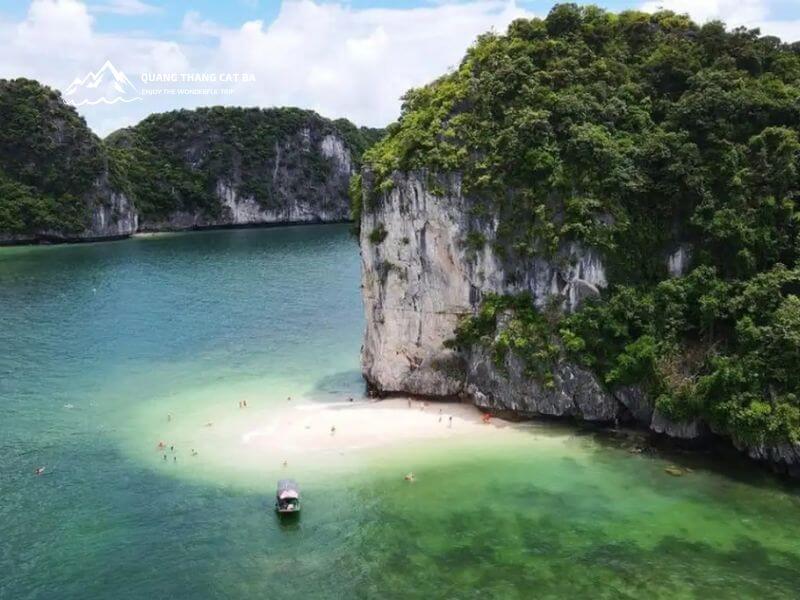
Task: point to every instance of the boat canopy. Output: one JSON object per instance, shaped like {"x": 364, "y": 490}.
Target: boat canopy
{"x": 288, "y": 490}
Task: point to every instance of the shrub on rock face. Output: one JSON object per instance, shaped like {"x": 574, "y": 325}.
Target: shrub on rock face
{"x": 634, "y": 134}
{"x": 377, "y": 235}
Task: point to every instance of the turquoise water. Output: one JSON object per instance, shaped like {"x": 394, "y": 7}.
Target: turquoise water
{"x": 106, "y": 349}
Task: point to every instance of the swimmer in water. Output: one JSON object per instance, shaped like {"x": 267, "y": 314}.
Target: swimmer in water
{"x": 409, "y": 477}
{"x": 39, "y": 471}
{"x": 161, "y": 445}
{"x": 194, "y": 452}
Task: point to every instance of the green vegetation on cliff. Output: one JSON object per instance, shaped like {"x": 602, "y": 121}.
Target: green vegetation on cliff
{"x": 49, "y": 160}
{"x": 635, "y": 134}
{"x": 174, "y": 160}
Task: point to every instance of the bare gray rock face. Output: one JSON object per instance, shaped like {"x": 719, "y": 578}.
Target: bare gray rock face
{"x": 419, "y": 278}
{"x": 783, "y": 457}
{"x": 296, "y": 200}
{"x": 574, "y": 392}
{"x": 678, "y": 262}
{"x": 683, "y": 430}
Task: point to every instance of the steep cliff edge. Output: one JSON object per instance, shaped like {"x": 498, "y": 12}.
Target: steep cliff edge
{"x": 420, "y": 278}
{"x": 56, "y": 180}
{"x": 570, "y": 225}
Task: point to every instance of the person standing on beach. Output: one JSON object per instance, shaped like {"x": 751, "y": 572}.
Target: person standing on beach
{"x": 450, "y": 423}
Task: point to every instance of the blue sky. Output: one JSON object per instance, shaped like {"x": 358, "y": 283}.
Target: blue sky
{"x": 350, "y": 58}
{"x": 170, "y": 13}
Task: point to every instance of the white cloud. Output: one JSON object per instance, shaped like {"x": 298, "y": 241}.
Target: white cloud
{"x": 326, "y": 56}
{"x": 356, "y": 63}
{"x": 57, "y": 23}
{"x": 323, "y": 55}
{"x": 125, "y": 7}
{"x": 735, "y": 13}
{"x": 194, "y": 25}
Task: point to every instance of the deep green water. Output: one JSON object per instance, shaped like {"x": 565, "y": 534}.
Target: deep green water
{"x": 99, "y": 342}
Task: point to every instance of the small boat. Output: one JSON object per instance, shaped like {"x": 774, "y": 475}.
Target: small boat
{"x": 287, "y": 498}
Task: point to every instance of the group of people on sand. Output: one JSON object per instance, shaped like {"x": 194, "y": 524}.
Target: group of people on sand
{"x": 425, "y": 404}
{"x": 485, "y": 418}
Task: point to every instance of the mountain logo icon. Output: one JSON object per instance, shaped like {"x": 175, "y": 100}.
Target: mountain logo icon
{"x": 109, "y": 85}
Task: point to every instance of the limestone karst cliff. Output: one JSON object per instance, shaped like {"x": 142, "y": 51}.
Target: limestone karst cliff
{"x": 56, "y": 180}
{"x": 226, "y": 166}
{"x": 420, "y": 279}
{"x": 576, "y": 223}
{"x": 210, "y": 167}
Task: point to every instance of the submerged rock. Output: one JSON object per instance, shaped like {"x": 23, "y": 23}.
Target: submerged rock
{"x": 674, "y": 471}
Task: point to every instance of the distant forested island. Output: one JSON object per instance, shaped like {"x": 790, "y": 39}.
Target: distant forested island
{"x": 184, "y": 169}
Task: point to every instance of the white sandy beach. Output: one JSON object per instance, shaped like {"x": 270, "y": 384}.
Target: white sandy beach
{"x": 353, "y": 426}
{"x": 303, "y": 435}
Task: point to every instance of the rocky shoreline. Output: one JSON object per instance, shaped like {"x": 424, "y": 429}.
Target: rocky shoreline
{"x": 419, "y": 278}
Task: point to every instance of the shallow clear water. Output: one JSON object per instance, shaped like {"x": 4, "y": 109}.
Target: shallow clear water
{"x": 100, "y": 343}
